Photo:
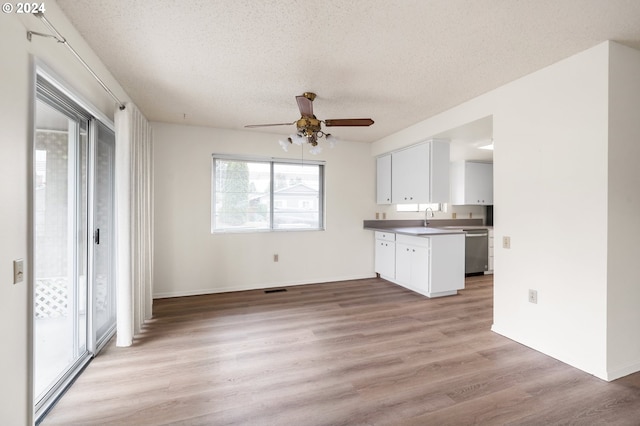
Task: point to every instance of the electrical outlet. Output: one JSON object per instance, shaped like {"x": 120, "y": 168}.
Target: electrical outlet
{"x": 533, "y": 296}
{"x": 506, "y": 242}
{"x": 275, "y": 258}
{"x": 18, "y": 271}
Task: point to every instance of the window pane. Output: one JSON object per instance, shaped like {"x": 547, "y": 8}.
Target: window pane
{"x": 296, "y": 196}
{"x": 254, "y": 194}
{"x": 418, "y": 207}
{"x": 242, "y": 199}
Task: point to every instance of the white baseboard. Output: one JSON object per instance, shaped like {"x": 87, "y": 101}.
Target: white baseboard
{"x": 624, "y": 371}
{"x": 255, "y": 286}
{"x": 602, "y": 374}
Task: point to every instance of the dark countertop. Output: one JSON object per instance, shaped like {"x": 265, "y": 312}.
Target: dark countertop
{"x": 418, "y": 231}
{"x": 416, "y": 227}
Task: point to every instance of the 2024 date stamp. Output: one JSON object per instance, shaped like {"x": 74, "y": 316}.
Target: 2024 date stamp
{"x": 23, "y": 7}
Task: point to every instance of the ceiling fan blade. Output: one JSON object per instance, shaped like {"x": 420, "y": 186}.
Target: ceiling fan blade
{"x": 251, "y": 126}
{"x": 305, "y": 105}
{"x": 349, "y": 122}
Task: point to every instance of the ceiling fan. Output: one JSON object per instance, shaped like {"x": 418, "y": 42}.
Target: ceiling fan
{"x": 310, "y": 128}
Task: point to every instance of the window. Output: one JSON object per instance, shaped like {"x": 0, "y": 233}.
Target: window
{"x": 266, "y": 194}
{"x": 420, "y": 207}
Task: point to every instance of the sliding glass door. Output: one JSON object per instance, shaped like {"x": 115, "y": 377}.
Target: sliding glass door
{"x": 74, "y": 251}
{"x": 60, "y": 258}
{"x": 103, "y": 265}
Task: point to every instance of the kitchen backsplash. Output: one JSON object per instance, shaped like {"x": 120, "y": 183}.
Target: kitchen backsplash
{"x": 461, "y": 212}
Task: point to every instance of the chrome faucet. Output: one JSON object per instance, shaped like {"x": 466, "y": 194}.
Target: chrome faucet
{"x": 426, "y": 215}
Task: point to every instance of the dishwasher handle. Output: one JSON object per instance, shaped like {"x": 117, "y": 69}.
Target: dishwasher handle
{"x": 477, "y": 233}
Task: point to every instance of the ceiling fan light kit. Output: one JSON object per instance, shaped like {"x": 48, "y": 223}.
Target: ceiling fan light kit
{"x": 310, "y": 128}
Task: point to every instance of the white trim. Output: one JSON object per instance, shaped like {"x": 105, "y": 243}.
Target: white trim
{"x": 600, "y": 374}
{"x": 260, "y": 159}
{"x": 621, "y": 372}
{"x": 47, "y": 73}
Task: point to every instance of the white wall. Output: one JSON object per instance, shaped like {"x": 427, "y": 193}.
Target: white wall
{"x": 16, "y": 84}
{"x": 550, "y": 132}
{"x": 552, "y": 192}
{"x": 189, "y": 259}
{"x": 623, "y": 297}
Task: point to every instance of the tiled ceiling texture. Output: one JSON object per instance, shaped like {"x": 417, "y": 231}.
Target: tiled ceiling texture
{"x": 228, "y": 63}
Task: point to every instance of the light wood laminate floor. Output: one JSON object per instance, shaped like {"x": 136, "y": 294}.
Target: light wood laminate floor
{"x": 359, "y": 352}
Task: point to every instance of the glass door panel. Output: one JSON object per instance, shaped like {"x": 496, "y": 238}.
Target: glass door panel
{"x": 104, "y": 295}
{"x": 60, "y": 247}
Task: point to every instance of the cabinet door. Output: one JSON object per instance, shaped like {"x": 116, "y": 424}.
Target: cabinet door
{"x": 479, "y": 183}
{"x": 471, "y": 183}
{"x": 385, "y": 259}
{"x": 420, "y": 269}
{"x": 440, "y": 176}
{"x": 410, "y": 175}
{"x": 383, "y": 179}
{"x": 403, "y": 264}
{"x": 412, "y": 267}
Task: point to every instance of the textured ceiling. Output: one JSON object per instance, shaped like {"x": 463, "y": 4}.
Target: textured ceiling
{"x": 228, "y": 63}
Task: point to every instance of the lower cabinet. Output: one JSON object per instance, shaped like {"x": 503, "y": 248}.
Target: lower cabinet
{"x": 385, "y": 255}
{"x": 432, "y": 266}
{"x": 412, "y": 264}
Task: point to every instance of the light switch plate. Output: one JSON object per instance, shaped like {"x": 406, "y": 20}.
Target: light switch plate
{"x": 18, "y": 271}
{"x": 506, "y": 242}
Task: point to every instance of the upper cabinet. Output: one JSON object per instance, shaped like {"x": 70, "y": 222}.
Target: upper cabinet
{"x": 471, "y": 183}
{"x": 419, "y": 174}
{"x": 383, "y": 179}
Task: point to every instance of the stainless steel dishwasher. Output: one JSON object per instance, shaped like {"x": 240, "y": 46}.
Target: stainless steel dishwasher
{"x": 476, "y": 251}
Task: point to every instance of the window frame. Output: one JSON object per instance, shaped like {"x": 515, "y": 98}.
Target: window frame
{"x": 420, "y": 207}
{"x": 272, "y": 161}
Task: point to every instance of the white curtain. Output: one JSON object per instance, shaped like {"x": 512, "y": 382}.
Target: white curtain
{"x": 134, "y": 239}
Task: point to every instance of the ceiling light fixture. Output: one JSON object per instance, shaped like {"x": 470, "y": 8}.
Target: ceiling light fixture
{"x": 310, "y": 128}
{"x": 309, "y": 131}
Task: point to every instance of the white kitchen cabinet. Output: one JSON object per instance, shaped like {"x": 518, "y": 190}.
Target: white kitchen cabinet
{"x": 432, "y": 266}
{"x": 471, "y": 183}
{"x": 412, "y": 264}
{"x": 417, "y": 174}
{"x": 410, "y": 174}
{"x": 383, "y": 179}
{"x": 385, "y": 255}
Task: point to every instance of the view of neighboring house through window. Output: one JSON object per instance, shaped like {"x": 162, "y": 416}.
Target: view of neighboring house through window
{"x": 436, "y": 207}
{"x": 256, "y": 194}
